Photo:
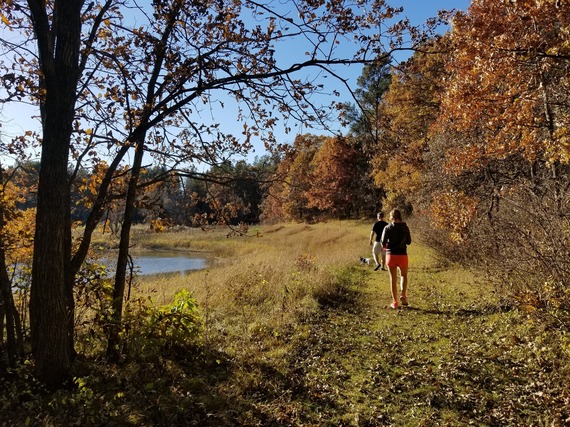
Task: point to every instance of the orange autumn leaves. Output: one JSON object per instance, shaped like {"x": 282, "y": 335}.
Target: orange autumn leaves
{"x": 496, "y": 87}
{"x": 16, "y": 224}
{"x": 453, "y": 211}
{"x": 509, "y": 80}
{"x": 317, "y": 178}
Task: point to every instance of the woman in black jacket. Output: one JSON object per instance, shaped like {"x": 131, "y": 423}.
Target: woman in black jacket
{"x": 395, "y": 238}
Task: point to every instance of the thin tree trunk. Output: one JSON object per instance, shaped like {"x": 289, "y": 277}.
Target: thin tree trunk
{"x": 13, "y": 335}
{"x": 97, "y": 212}
{"x": 114, "y": 343}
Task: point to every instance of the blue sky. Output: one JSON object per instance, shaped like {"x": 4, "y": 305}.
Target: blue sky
{"x": 16, "y": 119}
{"x": 417, "y": 11}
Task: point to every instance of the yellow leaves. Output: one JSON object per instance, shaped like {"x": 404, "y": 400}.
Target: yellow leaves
{"x": 562, "y": 137}
{"x": 462, "y": 158}
{"x": 453, "y": 211}
{"x": 394, "y": 179}
{"x": 497, "y": 86}
{"x": 18, "y": 230}
{"x": 21, "y": 240}
{"x": 89, "y": 186}
{"x": 159, "y": 225}
{"x": 104, "y": 33}
{"x": 10, "y": 195}
{"x": 4, "y": 20}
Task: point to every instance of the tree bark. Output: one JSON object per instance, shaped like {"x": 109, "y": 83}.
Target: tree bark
{"x": 8, "y": 311}
{"x": 14, "y": 336}
{"x": 51, "y": 295}
{"x": 114, "y": 342}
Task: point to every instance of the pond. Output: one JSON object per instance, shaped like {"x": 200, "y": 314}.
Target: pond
{"x": 157, "y": 262}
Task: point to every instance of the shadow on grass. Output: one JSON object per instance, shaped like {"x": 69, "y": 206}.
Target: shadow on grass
{"x": 462, "y": 312}
{"x": 180, "y": 388}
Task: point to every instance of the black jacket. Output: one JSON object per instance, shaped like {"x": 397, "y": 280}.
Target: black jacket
{"x": 395, "y": 237}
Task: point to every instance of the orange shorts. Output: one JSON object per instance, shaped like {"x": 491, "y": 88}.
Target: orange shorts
{"x": 397, "y": 260}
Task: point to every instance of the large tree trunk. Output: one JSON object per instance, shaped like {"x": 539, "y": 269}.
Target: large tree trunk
{"x": 51, "y": 298}
{"x": 50, "y": 311}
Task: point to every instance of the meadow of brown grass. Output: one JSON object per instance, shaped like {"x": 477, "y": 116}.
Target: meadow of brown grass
{"x": 274, "y": 274}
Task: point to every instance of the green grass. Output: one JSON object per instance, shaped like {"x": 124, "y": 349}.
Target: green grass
{"x": 296, "y": 332}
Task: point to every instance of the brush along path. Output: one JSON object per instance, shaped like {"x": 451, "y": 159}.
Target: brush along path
{"x": 452, "y": 358}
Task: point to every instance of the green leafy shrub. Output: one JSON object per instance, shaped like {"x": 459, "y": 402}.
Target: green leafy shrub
{"x": 179, "y": 322}
{"x": 150, "y": 330}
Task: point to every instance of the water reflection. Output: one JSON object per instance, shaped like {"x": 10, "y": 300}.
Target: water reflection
{"x": 166, "y": 262}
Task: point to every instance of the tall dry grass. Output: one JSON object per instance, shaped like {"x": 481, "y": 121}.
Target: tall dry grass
{"x": 274, "y": 276}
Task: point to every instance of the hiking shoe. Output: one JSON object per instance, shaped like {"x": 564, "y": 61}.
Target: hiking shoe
{"x": 404, "y": 300}
{"x": 377, "y": 267}
{"x": 394, "y": 305}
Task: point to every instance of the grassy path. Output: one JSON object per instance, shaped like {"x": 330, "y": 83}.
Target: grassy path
{"x": 452, "y": 358}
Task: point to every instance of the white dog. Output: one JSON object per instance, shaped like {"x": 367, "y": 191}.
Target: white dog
{"x": 364, "y": 261}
